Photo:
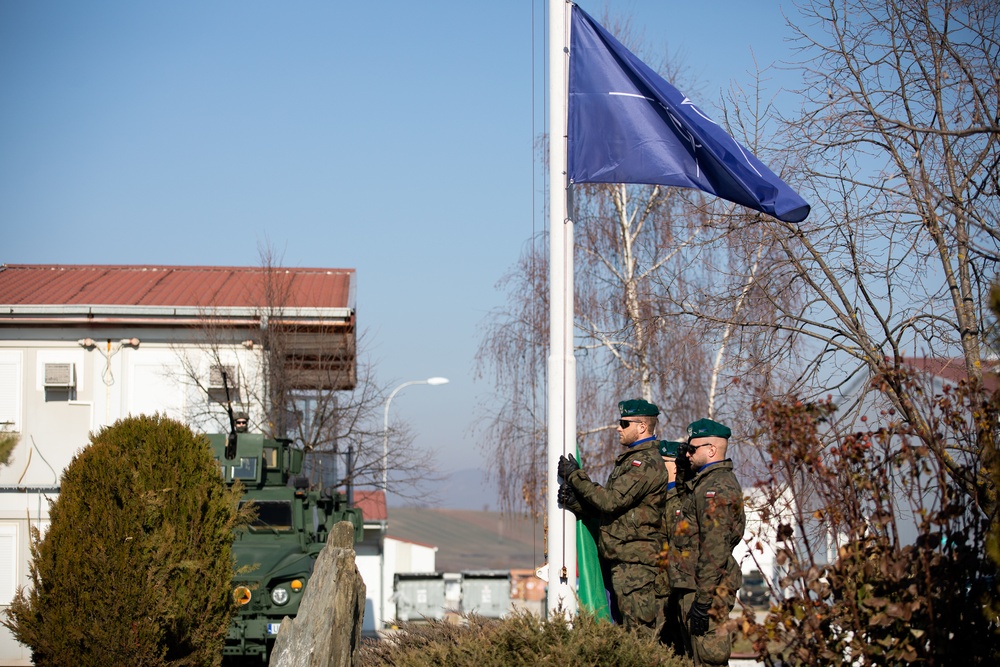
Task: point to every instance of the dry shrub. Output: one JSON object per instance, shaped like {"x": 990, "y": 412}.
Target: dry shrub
{"x": 520, "y": 639}
{"x": 903, "y": 510}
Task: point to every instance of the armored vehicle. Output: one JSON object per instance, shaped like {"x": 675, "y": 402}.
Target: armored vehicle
{"x": 276, "y": 553}
{"x": 755, "y": 592}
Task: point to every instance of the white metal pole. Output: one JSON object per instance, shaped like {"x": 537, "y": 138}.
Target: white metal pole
{"x": 561, "y": 541}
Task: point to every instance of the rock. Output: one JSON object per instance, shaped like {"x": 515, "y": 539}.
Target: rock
{"x": 327, "y": 630}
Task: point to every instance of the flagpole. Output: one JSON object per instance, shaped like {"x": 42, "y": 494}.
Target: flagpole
{"x": 561, "y": 541}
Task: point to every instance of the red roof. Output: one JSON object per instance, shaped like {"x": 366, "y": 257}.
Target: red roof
{"x": 372, "y": 505}
{"x": 191, "y": 286}
{"x": 953, "y": 370}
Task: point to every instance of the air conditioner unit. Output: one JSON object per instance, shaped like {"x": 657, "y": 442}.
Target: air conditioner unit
{"x": 60, "y": 375}
{"x": 215, "y": 378}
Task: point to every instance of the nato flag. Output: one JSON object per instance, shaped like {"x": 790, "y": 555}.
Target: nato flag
{"x": 628, "y": 125}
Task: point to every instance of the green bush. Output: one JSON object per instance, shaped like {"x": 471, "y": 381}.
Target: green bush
{"x": 8, "y": 441}
{"x": 521, "y": 639}
{"x": 135, "y": 568}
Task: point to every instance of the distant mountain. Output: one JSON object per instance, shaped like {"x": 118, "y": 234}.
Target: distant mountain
{"x": 467, "y": 489}
{"x": 459, "y": 517}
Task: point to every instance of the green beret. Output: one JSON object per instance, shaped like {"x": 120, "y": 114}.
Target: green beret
{"x": 706, "y": 428}
{"x": 638, "y": 408}
{"x": 669, "y": 448}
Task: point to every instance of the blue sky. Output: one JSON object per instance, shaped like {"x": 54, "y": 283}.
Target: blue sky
{"x": 395, "y": 138}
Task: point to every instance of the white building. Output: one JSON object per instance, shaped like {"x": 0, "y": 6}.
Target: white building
{"x": 380, "y": 557}
{"x": 84, "y": 346}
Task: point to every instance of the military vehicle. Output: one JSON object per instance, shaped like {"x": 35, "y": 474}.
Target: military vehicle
{"x": 275, "y": 555}
{"x": 755, "y": 592}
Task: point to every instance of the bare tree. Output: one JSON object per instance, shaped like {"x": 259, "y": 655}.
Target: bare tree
{"x": 629, "y": 240}
{"x": 898, "y": 141}
{"x": 307, "y": 380}
{"x": 646, "y": 257}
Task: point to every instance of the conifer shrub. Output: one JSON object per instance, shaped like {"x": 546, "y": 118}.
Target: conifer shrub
{"x": 520, "y": 639}
{"x": 135, "y": 568}
{"x": 8, "y": 441}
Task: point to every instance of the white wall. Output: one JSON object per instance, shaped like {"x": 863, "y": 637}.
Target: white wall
{"x": 403, "y": 556}
{"x": 369, "y": 564}
{"x": 112, "y": 381}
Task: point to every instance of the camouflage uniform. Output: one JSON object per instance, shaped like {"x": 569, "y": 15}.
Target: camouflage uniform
{"x": 707, "y": 523}
{"x": 670, "y": 633}
{"x": 629, "y": 510}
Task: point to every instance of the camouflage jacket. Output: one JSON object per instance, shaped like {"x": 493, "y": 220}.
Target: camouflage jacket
{"x": 672, "y": 502}
{"x": 670, "y": 509}
{"x": 629, "y": 508}
{"x": 707, "y": 523}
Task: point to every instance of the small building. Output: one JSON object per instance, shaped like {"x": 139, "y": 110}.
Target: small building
{"x": 527, "y": 591}
{"x": 84, "y": 346}
{"x": 380, "y": 557}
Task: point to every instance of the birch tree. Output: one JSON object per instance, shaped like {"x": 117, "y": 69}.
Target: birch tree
{"x": 629, "y": 240}
{"x": 897, "y": 145}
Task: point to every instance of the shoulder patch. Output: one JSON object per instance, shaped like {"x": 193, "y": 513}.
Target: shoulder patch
{"x": 636, "y": 462}
{"x": 710, "y": 494}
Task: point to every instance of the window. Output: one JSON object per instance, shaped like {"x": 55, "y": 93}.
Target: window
{"x": 221, "y": 377}
{"x": 10, "y": 390}
{"x": 8, "y": 562}
{"x": 272, "y": 515}
{"x": 246, "y": 470}
{"x": 59, "y": 380}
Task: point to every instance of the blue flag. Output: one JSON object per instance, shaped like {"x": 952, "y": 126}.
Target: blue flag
{"x": 628, "y": 125}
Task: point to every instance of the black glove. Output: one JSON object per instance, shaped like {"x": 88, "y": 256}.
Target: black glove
{"x": 698, "y": 618}
{"x": 567, "y": 465}
{"x": 567, "y": 499}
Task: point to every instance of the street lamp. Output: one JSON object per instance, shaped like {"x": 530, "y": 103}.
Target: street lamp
{"x": 385, "y": 428}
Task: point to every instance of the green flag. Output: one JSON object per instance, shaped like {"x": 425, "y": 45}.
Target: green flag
{"x": 593, "y": 596}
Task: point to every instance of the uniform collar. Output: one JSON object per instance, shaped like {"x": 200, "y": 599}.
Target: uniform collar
{"x": 727, "y": 464}
{"x": 709, "y": 465}
{"x": 641, "y": 442}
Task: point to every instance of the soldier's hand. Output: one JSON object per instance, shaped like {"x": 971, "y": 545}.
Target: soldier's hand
{"x": 567, "y": 499}
{"x": 698, "y": 618}
{"x": 567, "y": 465}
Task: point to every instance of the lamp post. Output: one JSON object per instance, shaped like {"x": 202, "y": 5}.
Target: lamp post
{"x": 385, "y": 428}
{"x": 383, "y": 585}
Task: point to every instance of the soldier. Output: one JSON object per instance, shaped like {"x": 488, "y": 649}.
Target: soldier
{"x": 241, "y": 422}
{"x": 707, "y": 523}
{"x": 669, "y": 633}
{"x": 629, "y": 511}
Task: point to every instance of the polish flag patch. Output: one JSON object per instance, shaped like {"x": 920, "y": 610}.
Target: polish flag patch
{"x": 710, "y": 494}
{"x": 636, "y": 463}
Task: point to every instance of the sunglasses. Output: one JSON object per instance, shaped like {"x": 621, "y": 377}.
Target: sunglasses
{"x": 625, "y": 422}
